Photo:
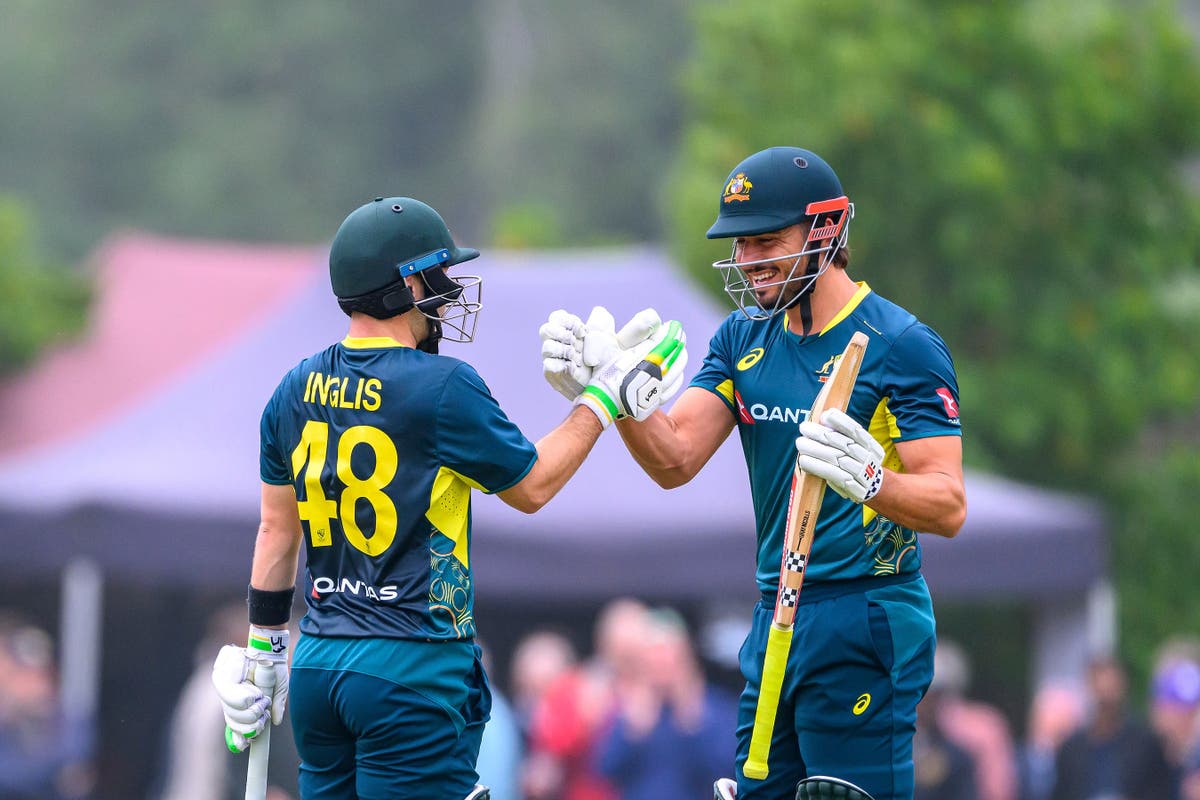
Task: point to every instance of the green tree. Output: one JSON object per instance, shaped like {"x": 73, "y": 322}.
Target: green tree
{"x": 260, "y": 121}
{"x": 1017, "y": 171}
{"x": 43, "y": 303}
{"x": 271, "y": 120}
{"x": 579, "y": 117}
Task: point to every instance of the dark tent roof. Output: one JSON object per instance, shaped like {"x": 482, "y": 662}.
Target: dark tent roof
{"x": 164, "y": 484}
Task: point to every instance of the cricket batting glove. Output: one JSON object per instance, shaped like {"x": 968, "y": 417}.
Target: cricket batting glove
{"x": 841, "y": 451}
{"x": 562, "y": 354}
{"x": 639, "y": 380}
{"x": 603, "y": 341}
{"x": 248, "y": 699}
{"x": 572, "y": 348}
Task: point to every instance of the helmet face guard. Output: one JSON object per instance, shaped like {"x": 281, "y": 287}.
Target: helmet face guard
{"x": 829, "y": 228}
{"x": 452, "y": 304}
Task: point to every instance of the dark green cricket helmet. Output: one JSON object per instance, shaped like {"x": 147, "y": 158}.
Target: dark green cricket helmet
{"x": 773, "y": 189}
{"x": 384, "y": 241}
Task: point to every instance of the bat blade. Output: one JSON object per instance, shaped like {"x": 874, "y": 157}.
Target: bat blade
{"x": 804, "y": 505}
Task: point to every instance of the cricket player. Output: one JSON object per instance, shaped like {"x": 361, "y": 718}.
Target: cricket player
{"x": 862, "y": 649}
{"x": 369, "y": 452}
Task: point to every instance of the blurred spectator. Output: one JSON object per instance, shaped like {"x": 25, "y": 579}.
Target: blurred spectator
{"x": 976, "y": 727}
{"x": 538, "y": 660}
{"x": 1113, "y": 756}
{"x": 570, "y": 717}
{"x": 43, "y": 749}
{"x": 1054, "y": 714}
{"x": 941, "y": 769}
{"x": 1175, "y": 704}
{"x": 199, "y": 765}
{"x": 501, "y": 750}
{"x": 672, "y": 735}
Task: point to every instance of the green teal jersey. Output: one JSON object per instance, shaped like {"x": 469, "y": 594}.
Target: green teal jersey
{"x": 383, "y": 444}
{"x": 768, "y": 377}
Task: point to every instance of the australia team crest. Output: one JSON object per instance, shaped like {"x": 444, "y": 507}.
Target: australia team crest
{"x": 738, "y": 188}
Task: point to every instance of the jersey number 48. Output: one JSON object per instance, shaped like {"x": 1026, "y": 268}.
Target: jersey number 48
{"x": 319, "y": 511}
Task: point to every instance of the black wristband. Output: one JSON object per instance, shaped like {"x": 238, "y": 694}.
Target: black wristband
{"x": 269, "y": 608}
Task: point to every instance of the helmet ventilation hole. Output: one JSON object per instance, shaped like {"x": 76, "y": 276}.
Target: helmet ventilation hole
{"x": 397, "y": 207}
{"x": 800, "y": 162}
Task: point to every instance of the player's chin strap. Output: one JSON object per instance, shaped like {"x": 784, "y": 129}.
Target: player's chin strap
{"x": 480, "y": 792}
{"x": 430, "y": 343}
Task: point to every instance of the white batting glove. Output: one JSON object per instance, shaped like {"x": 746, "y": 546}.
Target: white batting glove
{"x": 562, "y": 353}
{"x": 841, "y": 451}
{"x": 603, "y": 341}
{"x": 249, "y": 698}
{"x": 640, "y": 379}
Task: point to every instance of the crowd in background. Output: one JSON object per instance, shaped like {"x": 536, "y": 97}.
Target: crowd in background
{"x": 44, "y": 750}
{"x": 637, "y": 719}
{"x": 1081, "y": 741}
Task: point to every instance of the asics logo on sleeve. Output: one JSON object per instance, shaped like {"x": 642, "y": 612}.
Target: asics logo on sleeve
{"x": 861, "y": 704}
{"x": 750, "y": 359}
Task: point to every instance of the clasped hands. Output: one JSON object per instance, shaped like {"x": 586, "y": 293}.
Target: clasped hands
{"x": 616, "y": 374}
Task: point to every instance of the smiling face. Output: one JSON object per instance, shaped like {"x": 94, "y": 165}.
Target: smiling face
{"x": 769, "y": 261}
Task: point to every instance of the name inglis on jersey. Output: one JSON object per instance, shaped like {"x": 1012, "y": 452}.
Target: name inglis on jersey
{"x": 337, "y": 392}
{"x": 382, "y": 594}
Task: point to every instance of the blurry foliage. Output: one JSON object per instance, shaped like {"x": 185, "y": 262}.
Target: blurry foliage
{"x": 1018, "y": 176}
{"x": 525, "y": 226}
{"x": 250, "y": 120}
{"x": 43, "y": 303}
{"x": 582, "y": 113}
{"x": 542, "y": 123}
{"x": 272, "y": 120}
{"x": 1155, "y": 556}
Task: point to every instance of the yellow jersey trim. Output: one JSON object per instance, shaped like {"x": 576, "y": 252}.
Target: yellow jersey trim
{"x": 369, "y": 342}
{"x": 449, "y": 507}
{"x": 863, "y": 291}
{"x": 851, "y": 304}
{"x": 883, "y": 429}
{"x": 725, "y": 389}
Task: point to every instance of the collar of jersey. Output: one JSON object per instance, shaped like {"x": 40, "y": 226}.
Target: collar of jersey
{"x": 369, "y": 342}
{"x": 851, "y": 304}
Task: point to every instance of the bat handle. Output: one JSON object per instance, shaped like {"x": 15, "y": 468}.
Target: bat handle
{"x": 260, "y": 746}
{"x": 779, "y": 643}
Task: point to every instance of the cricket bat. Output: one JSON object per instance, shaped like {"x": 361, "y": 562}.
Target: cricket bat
{"x": 260, "y": 746}
{"x": 803, "y": 507}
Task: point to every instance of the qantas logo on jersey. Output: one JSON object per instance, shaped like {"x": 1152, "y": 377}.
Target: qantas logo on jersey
{"x": 950, "y": 403}
{"x": 383, "y": 594}
{"x": 742, "y": 412}
{"x": 759, "y": 412}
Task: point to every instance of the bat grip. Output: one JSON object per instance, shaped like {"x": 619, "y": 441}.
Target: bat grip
{"x": 779, "y": 643}
{"x": 260, "y": 746}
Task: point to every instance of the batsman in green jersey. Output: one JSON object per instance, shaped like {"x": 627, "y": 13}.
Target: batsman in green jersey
{"x": 369, "y": 452}
{"x": 862, "y": 648}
